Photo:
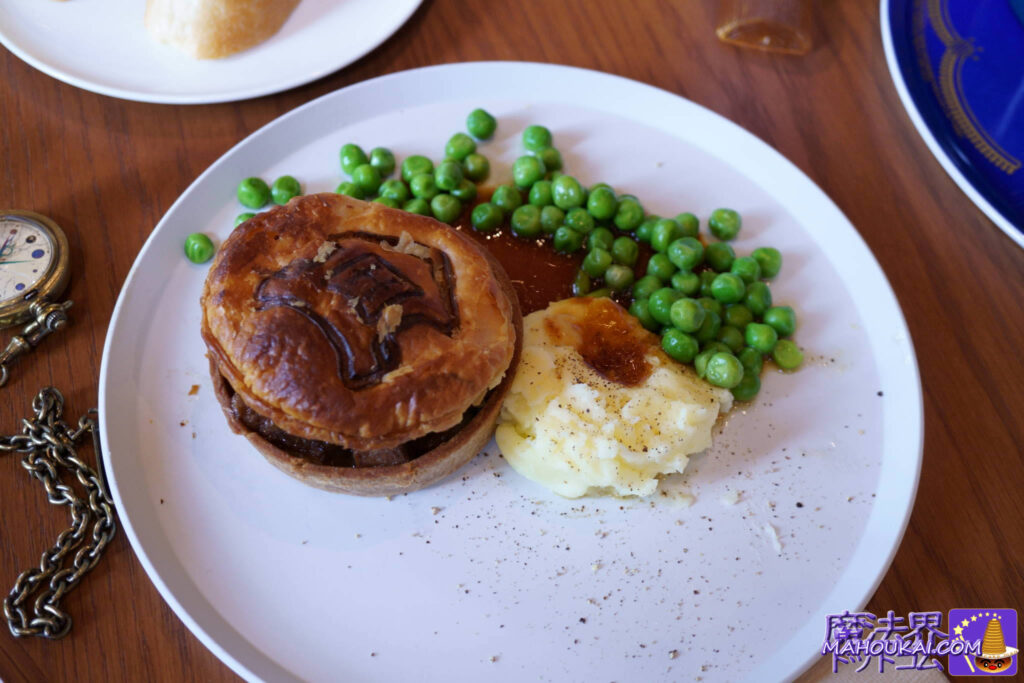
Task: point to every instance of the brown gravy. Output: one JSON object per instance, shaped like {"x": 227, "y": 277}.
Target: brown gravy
{"x": 612, "y": 347}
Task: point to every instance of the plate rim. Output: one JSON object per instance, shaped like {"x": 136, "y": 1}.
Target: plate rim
{"x": 249, "y": 93}
{"x": 949, "y": 165}
{"x": 796, "y": 645}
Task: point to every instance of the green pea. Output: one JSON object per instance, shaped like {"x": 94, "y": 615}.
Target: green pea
{"x": 761, "y": 337}
{"x": 709, "y": 330}
{"x": 600, "y": 186}
{"x": 389, "y": 202}
{"x": 787, "y": 355}
{"x": 536, "y": 138}
{"x": 679, "y": 345}
{"x": 526, "y": 221}
{"x": 724, "y": 224}
{"x": 445, "y": 208}
{"x": 686, "y": 253}
{"x": 459, "y": 147}
{"x": 448, "y": 175}
{"x": 769, "y": 259}
{"x": 367, "y": 178}
{"x": 507, "y": 198}
{"x": 629, "y": 215}
{"x": 687, "y": 315}
{"x": 418, "y": 206}
{"x": 719, "y": 255}
{"x": 660, "y": 304}
{"x": 711, "y": 304}
{"x": 664, "y": 233}
{"x": 199, "y": 248}
{"x": 579, "y": 220}
{"x": 284, "y": 188}
{"x": 724, "y": 370}
{"x": 604, "y": 292}
{"x": 581, "y": 284}
{"x": 423, "y": 186}
{"x": 689, "y": 226}
{"x": 782, "y": 319}
{"x": 526, "y": 171}
{"x": 600, "y": 238}
{"x": 395, "y": 189}
{"x": 686, "y": 282}
{"x": 567, "y": 240}
{"x": 481, "y": 124}
{"x": 253, "y": 193}
{"x": 465, "y": 192}
{"x": 602, "y": 204}
{"x": 551, "y": 158}
{"x": 476, "y": 167}
{"x": 383, "y": 160}
{"x": 596, "y": 262}
{"x": 748, "y": 387}
{"x": 625, "y": 251}
{"x": 746, "y": 268}
{"x": 661, "y": 267}
{"x": 416, "y": 165}
{"x": 486, "y": 217}
{"x": 638, "y": 309}
{"x": 646, "y": 228}
{"x": 350, "y": 189}
{"x": 738, "y": 316}
{"x": 752, "y": 361}
{"x": 619, "y": 277}
{"x": 728, "y": 288}
{"x": 706, "y": 278}
{"x": 551, "y": 219}
{"x": 566, "y": 192}
{"x": 758, "y": 298}
{"x": 243, "y": 217}
{"x": 731, "y": 337}
{"x": 540, "y": 193}
{"x": 645, "y": 286}
{"x": 700, "y": 361}
{"x": 352, "y": 157}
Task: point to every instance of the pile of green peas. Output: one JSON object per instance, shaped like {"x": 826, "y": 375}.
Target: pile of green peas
{"x": 440, "y": 190}
{"x": 713, "y": 308}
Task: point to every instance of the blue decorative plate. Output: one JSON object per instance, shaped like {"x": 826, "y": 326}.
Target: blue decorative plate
{"x": 959, "y": 67}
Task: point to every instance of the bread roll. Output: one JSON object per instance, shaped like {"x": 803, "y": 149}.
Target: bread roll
{"x": 210, "y": 29}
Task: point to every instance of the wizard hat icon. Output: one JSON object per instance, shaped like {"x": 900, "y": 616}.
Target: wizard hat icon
{"x": 993, "y": 645}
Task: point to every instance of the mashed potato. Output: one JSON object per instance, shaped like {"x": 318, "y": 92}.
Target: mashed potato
{"x": 576, "y": 423}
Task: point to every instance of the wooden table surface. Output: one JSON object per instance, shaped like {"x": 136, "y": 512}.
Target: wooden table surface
{"x": 108, "y": 169}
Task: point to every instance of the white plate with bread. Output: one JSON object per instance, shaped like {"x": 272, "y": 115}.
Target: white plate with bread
{"x": 195, "y": 51}
{"x": 794, "y": 512}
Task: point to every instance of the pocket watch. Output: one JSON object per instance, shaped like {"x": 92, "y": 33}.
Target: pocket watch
{"x": 33, "y": 275}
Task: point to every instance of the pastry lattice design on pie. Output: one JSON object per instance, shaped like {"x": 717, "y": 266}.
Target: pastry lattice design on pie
{"x": 382, "y": 299}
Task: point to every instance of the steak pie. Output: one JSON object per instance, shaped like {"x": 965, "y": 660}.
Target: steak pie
{"x": 361, "y": 349}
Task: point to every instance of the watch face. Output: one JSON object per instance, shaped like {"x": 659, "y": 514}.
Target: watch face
{"x": 26, "y": 252}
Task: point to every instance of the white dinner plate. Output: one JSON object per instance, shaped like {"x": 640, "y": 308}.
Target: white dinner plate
{"x": 486, "y": 575}
{"x": 103, "y": 46}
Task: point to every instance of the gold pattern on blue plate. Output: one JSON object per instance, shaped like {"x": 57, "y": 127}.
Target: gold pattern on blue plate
{"x": 948, "y": 88}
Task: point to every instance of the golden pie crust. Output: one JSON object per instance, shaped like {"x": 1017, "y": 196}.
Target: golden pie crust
{"x": 350, "y": 324}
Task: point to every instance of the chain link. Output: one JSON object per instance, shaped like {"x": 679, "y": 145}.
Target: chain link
{"x": 48, "y": 445}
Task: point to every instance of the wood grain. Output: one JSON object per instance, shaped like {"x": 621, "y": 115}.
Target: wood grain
{"x": 107, "y": 170}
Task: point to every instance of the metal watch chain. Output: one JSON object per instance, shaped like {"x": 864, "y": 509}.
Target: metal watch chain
{"x": 49, "y": 447}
